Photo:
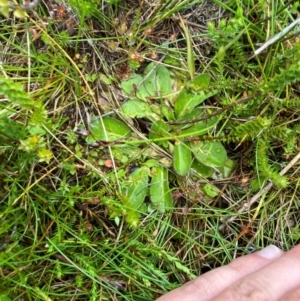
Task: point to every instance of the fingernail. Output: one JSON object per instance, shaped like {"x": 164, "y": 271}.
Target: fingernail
{"x": 270, "y": 252}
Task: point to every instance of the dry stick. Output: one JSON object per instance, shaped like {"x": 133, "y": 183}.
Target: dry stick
{"x": 276, "y": 38}
{"x": 257, "y": 196}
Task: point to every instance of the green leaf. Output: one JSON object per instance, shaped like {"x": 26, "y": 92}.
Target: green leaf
{"x": 182, "y": 158}
{"x": 160, "y": 129}
{"x": 196, "y": 113}
{"x": 163, "y": 80}
{"x": 203, "y": 170}
{"x": 201, "y": 81}
{"x": 135, "y": 108}
{"x": 44, "y": 155}
{"x": 190, "y": 52}
{"x": 19, "y": 13}
{"x": 201, "y": 127}
{"x": 15, "y": 93}
{"x": 148, "y": 87}
{"x": 11, "y": 129}
{"x": 4, "y": 297}
{"x": 160, "y": 193}
{"x": 138, "y": 189}
{"x": 4, "y": 3}
{"x": 36, "y": 130}
{"x": 167, "y": 112}
{"x": 134, "y": 191}
{"x": 128, "y": 86}
{"x": 4, "y": 11}
{"x": 209, "y": 153}
{"x": 156, "y": 82}
{"x": 172, "y": 60}
{"x": 210, "y": 190}
{"x": 187, "y": 100}
{"x": 38, "y": 116}
{"x": 115, "y": 129}
{"x": 225, "y": 170}
{"x": 151, "y": 163}
{"x": 137, "y": 86}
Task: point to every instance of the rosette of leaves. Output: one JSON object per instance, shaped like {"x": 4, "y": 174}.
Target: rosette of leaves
{"x": 156, "y": 83}
{"x": 150, "y": 97}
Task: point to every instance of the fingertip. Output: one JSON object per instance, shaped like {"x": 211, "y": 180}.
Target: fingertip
{"x": 270, "y": 252}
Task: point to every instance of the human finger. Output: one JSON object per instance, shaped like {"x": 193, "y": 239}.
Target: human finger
{"x": 271, "y": 282}
{"x": 210, "y": 284}
{"x": 293, "y": 295}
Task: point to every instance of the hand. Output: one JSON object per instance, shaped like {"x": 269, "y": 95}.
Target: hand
{"x": 266, "y": 275}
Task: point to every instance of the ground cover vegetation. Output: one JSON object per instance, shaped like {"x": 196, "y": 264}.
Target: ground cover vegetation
{"x": 143, "y": 143}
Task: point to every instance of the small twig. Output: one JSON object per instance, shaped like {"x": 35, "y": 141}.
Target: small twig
{"x": 277, "y": 37}
{"x": 257, "y": 196}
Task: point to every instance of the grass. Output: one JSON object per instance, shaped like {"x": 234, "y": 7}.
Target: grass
{"x": 108, "y": 190}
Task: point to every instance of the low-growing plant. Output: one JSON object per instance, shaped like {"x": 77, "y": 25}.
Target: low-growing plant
{"x": 27, "y": 133}
{"x": 133, "y": 136}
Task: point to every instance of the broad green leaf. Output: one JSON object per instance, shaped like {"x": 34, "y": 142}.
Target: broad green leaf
{"x": 182, "y": 158}
{"x": 201, "y": 127}
{"x": 129, "y": 86}
{"x": 159, "y": 130}
{"x": 225, "y": 170}
{"x": 156, "y": 109}
{"x": 188, "y": 100}
{"x": 151, "y": 163}
{"x": 163, "y": 80}
{"x": 167, "y": 112}
{"x": 149, "y": 68}
{"x": 135, "y": 108}
{"x": 209, "y": 153}
{"x": 137, "y": 191}
{"x": 137, "y": 86}
{"x": 157, "y": 80}
{"x": 148, "y": 88}
{"x": 201, "y": 81}
{"x": 196, "y": 113}
{"x": 173, "y": 61}
{"x": 210, "y": 190}
{"x": 203, "y": 170}
{"x": 133, "y": 195}
{"x": 160, "y": 193}
{"x": 114, "y": 129}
